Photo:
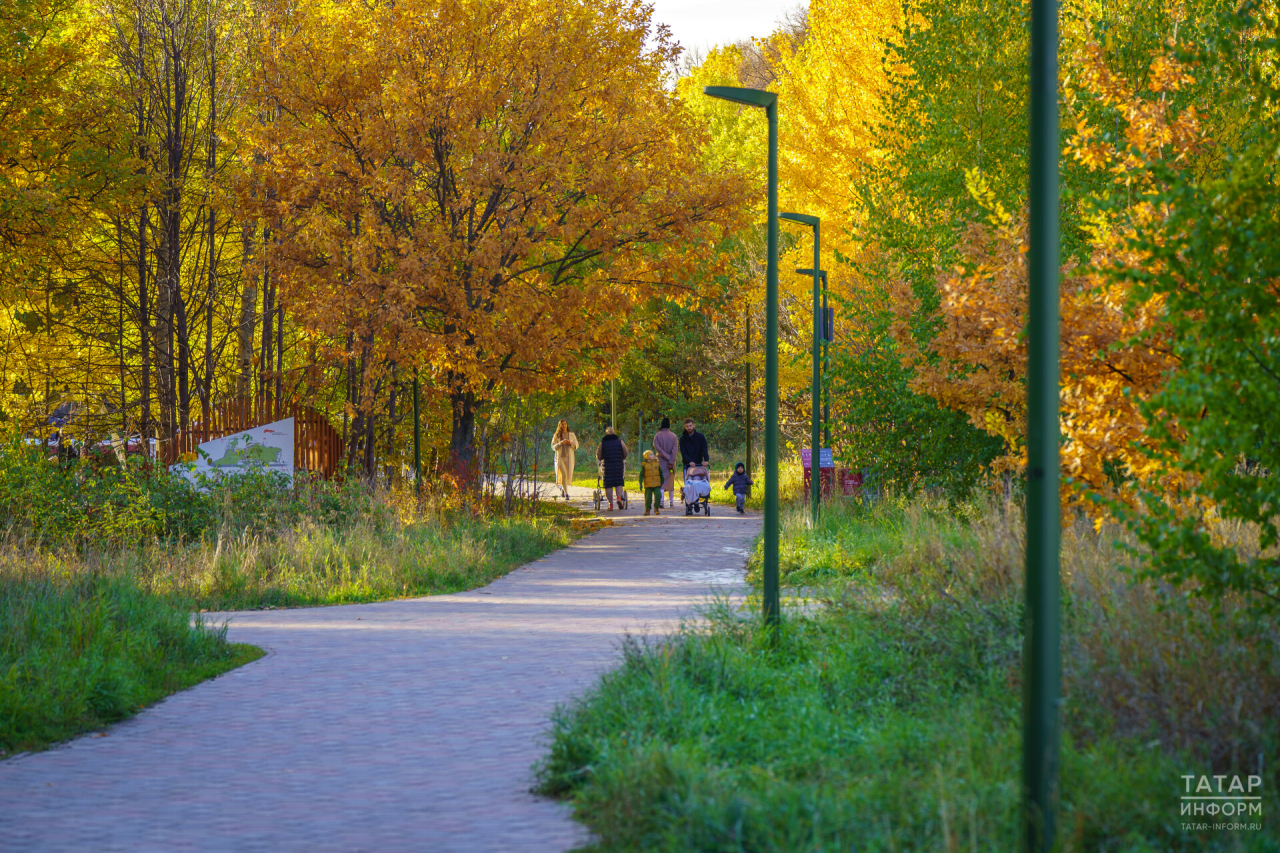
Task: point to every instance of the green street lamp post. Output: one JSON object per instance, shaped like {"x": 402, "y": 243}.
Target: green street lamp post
{"x": 1041, "y": 663}
{"x": 769, "y": 102}
{"x": 815, "y": 437}
{"x": 826, "y": 391}
{"x": 827, "y": 332}
{"x": 749, "y": 412}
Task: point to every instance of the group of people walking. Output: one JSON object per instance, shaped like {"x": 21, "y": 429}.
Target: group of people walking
{"x": 657, "y": 470}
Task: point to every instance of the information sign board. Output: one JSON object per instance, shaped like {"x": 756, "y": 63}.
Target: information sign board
{"x": 825, "y": 458}
{"x": 264, "y": 448}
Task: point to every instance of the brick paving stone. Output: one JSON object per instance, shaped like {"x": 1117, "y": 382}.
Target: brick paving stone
{"x": 405, "y": 725}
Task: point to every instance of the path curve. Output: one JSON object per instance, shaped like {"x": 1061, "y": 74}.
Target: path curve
{"x": 400, "y": 726}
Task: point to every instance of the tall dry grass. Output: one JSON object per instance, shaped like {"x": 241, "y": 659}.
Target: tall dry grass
{"x": 1140, "y": 658}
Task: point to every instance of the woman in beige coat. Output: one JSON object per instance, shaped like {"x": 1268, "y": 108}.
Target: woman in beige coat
{"x": 563, "y": 445}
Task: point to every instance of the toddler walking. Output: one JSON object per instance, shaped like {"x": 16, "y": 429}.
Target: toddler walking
{"x": 651, "y": 483}
{"x": 741, "y": 484}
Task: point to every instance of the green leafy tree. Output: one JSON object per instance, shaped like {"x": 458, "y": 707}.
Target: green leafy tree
{"x": 1217, "y": 265}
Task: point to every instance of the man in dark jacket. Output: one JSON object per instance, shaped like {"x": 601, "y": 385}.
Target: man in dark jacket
{"x": 693, "y": 446}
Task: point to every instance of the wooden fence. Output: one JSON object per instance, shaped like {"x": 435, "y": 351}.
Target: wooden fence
{"x": 317, "y": 446}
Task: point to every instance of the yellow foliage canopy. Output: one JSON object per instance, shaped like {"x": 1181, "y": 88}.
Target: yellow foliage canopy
{"x": 481, "y": 188}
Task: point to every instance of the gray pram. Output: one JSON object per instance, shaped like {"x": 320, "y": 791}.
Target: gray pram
{"x": 696, "y": 491}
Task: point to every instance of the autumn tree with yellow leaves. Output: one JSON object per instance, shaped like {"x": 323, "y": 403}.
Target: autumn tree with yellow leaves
{"x": 482, "y": 191}
{"x": 1113, "y": 351}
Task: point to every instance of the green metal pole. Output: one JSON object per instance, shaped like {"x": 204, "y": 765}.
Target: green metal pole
{"x": 768, "y": 100}
{"x": 772, "y": 605}
{"x": 815, "y": 403}
{"x": 1042, "y": 667}
{"x": 815, "y": 398}
{"x": 749, "y": 413}
{"x": 417, "y": 436}
{"x": 826, "y": 367}
{"x": 613, "y": 406}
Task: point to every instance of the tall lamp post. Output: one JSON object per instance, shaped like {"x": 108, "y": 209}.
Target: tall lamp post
{"x": 815, "y": 437}
{"x": 749, "y": 412}
{"x": 1041, "y": 663}
{"x": 828, "y": 333}
{"x": 769, "y": 102}
{"x": 826, "y": 337}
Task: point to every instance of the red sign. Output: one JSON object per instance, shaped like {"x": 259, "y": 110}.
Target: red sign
{"x": 850, "y": 481}
{"x": 824, "y": 482}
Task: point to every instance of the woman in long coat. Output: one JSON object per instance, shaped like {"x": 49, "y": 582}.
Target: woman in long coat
{"x": 613, "y": 453}
{"x": 665, "y": 444}
{"x": 563, "y": 445}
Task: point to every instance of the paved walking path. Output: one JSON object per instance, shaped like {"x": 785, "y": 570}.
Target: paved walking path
{"x": 400, "y": 726}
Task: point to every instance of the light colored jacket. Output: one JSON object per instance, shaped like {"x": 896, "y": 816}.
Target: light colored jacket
{"x": 665, "y": 444}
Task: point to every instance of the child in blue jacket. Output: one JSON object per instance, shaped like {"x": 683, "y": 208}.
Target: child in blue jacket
{"x": 741, "y": 484}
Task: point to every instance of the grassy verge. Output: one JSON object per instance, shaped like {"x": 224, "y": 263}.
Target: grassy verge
{"x": 369, "y": 559}
{"x": 101, "y": 566}
{"x": 889, "y": 719}
{"x": 81, "y": 651}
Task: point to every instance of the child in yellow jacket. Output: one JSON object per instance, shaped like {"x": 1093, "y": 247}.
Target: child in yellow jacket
{"x": 651, "y": 483}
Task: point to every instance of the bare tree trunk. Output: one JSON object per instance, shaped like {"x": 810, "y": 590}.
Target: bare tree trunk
{"x": 279, "y": 353}
{"x": 175, "y": 106}
{"x": 184, "y": 362}
{"x": 164, "y": 357}
{"x": 206, "y": 397}
{"x": 268, "y": 338}
{"x": 248, "y": 315}
{"x": 144, "y": 312}
{"x": 144, "y": 325}
{"x": 462, "y": 437}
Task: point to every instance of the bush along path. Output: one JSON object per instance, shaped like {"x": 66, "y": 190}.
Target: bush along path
{"x": 400, "y": 725}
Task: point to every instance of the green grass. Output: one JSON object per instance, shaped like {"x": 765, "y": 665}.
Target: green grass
{"x": 370, "y": 559}
{"x": 79, "y": 652}
{"x": 889, "y": 719}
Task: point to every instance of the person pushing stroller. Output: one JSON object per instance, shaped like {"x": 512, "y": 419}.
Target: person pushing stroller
{"x": 741, "y": 484}
{"x": 612, "y": 454}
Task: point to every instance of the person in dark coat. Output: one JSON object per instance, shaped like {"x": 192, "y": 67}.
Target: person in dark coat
{"x": 612, "y": 454}
{"x": 693, "y": 446}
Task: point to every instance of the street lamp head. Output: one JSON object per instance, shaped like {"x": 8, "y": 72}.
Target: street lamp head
{"x": 750, "y": 97}
{"x": 802, "y": 218}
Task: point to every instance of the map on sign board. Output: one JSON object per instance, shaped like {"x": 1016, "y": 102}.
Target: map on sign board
{"x": 266, "y": 448}
{"x": 825, "y": 458}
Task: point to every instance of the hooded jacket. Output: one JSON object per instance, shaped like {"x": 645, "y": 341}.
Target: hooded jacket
{"x": 740, "y": 482}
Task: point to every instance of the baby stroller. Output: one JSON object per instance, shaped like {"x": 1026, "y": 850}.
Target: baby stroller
{"x": 598, "y": 496}
{"x": 696, "y": 491}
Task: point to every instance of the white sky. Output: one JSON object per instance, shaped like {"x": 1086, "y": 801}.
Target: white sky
{"x": 703, "y": 24}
